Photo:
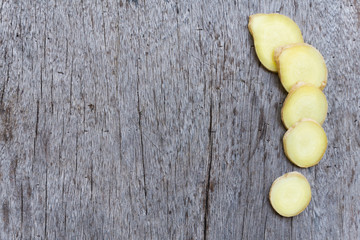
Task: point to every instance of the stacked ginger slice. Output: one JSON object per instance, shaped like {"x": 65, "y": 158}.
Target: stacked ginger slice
{"x": 280, "y": 48}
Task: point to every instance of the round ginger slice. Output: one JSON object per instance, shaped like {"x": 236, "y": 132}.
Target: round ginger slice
{"x": 304, "y": 101}
{"x": 271, "y": 31}
{"x": 300, "y": 62}
{"x": 305, "y": 143}
{"x": 290, "y": 194}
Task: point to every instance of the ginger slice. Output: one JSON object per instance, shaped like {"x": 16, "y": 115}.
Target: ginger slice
{"x": 271, "y": 31}
{"x": 304, "y": 101}
{"x": 305, "y": 143}
{"x": 300, "y": 62}
{"x": 290, "y": 194}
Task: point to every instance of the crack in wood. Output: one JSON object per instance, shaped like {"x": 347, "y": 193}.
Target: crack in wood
{"x": 207, "y": 189}
{"x": 36, "y": 134}
{"x": 142, "y": 149}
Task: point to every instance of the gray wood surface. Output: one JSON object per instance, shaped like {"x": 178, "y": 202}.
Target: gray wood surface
{"x": 155, "y": 120}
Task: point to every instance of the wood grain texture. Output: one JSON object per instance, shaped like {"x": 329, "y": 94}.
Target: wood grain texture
{"x": 155, "y": 120}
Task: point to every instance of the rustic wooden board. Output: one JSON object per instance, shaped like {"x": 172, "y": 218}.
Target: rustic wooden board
{"x": 155, "y": 120}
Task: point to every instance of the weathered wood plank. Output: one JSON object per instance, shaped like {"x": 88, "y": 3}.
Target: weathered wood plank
{"x": 155, "y": 120}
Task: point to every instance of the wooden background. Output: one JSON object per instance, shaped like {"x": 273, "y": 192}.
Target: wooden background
{"x": 155, "y": 120}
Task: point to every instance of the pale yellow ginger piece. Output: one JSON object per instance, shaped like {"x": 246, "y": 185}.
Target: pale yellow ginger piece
{"x": 304, "y": 101}
{"x": 271, "y": 31}
{"x": 300, "y": 62}
{"x": 290, "y": 194}
{"x": 305, "y": 143}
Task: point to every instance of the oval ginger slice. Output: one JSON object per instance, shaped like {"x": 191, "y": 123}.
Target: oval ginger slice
{"x": 271, "y": 31}
{"x": 300, "y": 62}
{"x": 290, "y": 194}
{"x": 305, "y": 143}
{"x": 304, "y": 101}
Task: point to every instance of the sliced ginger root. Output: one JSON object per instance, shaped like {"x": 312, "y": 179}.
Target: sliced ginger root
{"x": 271, "y": 31}
{"x": 300, "y": 62}
{"x": 305, "y": 143}
{"x": 290, "y": 194}
{"x": 304, "y": 101}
